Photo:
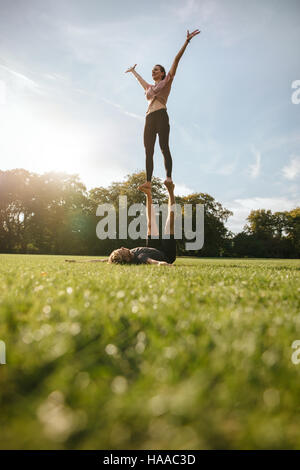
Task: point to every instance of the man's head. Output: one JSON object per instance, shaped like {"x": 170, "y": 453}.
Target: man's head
{"x": 121, "y": 256}
{"x": 158, "y": 73}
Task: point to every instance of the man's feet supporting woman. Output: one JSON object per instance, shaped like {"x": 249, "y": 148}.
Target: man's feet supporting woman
{"x": 152, "y": 228}
{"x": 145, "y": 187}
{"x": 169, "y": 184}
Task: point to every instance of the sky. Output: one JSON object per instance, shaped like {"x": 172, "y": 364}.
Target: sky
{"x": 66, "y": 103}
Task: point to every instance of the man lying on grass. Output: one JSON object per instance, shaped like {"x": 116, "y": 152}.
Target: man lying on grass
{"x": 159, "y": 251}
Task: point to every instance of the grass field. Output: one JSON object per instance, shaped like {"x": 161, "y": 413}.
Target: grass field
{"x": 197, "y": 356}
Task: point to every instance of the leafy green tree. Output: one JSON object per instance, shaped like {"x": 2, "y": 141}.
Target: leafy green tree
{"x": 16, "y": 193}
{"x": 269, "y": 235}
{"x": 215, "y": 232}
{"x": 293, "y": 228}
{"x": 261, "y": 223}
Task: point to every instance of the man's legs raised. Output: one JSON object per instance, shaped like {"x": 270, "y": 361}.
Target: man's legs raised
{"x": 169, "y": 227}
{"x": 152, "y": 228}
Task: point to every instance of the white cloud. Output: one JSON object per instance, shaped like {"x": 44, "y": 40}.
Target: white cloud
{"x": 55, "y": 76}
{"x": 97, "y": 46}
{"x": 275, "y": 142}
{"x": 228, "y": 168}
{"x": 187, "y": 10}
{"x": 183, "y": 190}
{"x": 103, "y": 176}
{"x": 122, "y": 110}
{"x": 215, "y": 16}
{"x": 3, "y": 92}
{"x": 255, "y": 168}
{"x": 292, "y": 170}
{"x": 20, "y": 80}
{"x": 241, "y": 208}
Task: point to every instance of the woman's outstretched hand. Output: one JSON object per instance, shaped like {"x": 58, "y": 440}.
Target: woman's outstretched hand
{"x": 131, "y": 68}
{"x": 191, "y": 35}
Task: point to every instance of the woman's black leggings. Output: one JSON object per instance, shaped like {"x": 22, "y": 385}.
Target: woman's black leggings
{"x": 157, "y": 122}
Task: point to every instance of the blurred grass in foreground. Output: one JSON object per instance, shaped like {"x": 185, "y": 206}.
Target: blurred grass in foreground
{"x": 134, "y": 357}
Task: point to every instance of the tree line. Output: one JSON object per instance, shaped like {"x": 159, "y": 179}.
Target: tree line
{"x": 53, "y": 213}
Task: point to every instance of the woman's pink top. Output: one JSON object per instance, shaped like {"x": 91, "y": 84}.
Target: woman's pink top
{"x": 157, "y": 95}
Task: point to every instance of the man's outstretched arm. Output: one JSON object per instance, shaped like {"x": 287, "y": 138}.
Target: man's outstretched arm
{"x": 158, "y": 263}
{"x": 86, "y": 261}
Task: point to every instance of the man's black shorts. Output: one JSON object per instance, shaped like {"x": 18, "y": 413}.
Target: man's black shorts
{"x": 166, "y": 245}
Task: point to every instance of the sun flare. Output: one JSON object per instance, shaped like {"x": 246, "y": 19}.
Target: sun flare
{"x": 43, "y": 141}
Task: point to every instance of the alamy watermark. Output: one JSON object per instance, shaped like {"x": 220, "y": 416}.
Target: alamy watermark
{"x": 296, "y": 94}
{"x": 2, "y": 352}
{"x": 296, "y": 354}
{"x": 137, "y": 227}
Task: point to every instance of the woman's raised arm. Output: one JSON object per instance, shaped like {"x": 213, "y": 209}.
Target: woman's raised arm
{"x": 189, "y": 36}
{"x": 144, "y": 84}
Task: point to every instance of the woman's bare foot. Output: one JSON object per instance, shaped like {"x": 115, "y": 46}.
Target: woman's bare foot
{"x": 169, "y": 185}
{"x": 145, "y": 187}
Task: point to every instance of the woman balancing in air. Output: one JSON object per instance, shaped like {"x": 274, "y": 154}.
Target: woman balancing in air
{"x": 157, "y": 118}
